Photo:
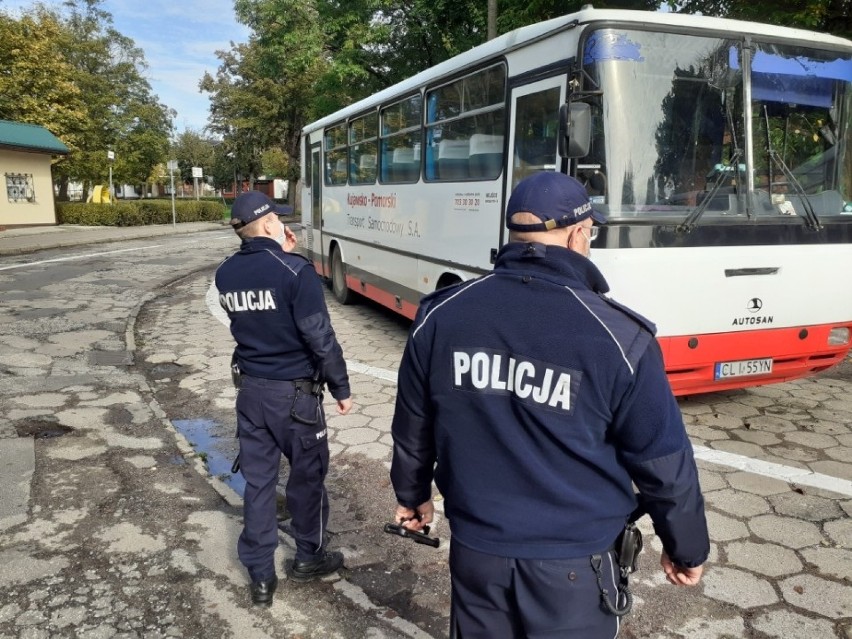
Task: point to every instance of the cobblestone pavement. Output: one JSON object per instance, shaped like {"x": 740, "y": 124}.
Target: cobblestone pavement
{"x": 109, "y": 526}
{"x": 781, "y": 562}
{"x": 129, "y": 535}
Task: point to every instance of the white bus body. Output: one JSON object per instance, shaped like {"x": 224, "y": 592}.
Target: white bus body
{"x": 721, "y": 152}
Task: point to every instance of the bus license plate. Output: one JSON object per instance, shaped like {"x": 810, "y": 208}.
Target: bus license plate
{"x": 743, "y": 368}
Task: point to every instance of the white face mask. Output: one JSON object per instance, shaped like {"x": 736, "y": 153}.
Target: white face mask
{"x": 281, "y": 235}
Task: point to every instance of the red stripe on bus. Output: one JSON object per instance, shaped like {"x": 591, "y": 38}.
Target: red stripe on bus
{"x": 691, "y": 370}
{"x": 404, "y": 308}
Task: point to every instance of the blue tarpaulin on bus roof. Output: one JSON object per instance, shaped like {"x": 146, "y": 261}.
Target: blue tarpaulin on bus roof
{"x": 798, "y": 66}
{"x": 611, "y": 46}
{"x": 794, "y": 79}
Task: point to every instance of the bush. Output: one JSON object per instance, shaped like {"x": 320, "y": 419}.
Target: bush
{"x": 138, "y": 212}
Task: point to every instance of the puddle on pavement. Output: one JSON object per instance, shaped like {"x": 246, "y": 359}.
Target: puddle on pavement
{"x": 219, "y": 452}
{"x": 41, "y": 429}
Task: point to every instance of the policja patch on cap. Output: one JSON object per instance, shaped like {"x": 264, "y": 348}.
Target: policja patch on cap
{"x": 554, "y": 198}
{"x": 252, "y": 205}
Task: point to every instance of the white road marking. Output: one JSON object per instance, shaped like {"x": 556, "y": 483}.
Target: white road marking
{"x": 798, "y": 476}
{"x": 87, "y": 255}
{"x": 78, "y": 257}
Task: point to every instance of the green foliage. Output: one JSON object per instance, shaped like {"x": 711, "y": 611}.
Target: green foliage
{"x": 514, "y": 14}
{"x": 36, "y": 73}
{"x": 308, "y": 58}
{"x": 71, "y": 71}
{"x": 191, "y": 148}
{"x": 139, "y": 212}
{"x": 826, "y": 16}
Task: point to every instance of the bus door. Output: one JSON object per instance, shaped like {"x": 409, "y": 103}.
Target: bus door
{"x": 315, "y": 243}
{"x": 535, "y": 122}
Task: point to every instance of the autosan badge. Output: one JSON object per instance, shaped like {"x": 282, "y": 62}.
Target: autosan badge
{"x": 754, "y": 305}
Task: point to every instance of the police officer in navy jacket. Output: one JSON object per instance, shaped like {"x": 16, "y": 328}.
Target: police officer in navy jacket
{"x": 286, "y": 348}
{"x": 535, "y": 402}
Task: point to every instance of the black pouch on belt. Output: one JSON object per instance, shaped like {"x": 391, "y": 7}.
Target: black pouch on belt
{"x": 627, "y": 549}
{"x": 236, "y": 375}
{"x": 306, "y": 403}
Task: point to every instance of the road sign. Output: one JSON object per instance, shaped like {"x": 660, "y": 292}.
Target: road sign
{"x": 197, "y": 172}
{"x": 110, "y": 155}
{"x": 172, "y": 165}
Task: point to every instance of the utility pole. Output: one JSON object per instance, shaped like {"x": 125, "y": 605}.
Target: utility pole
{"x": 492, "y": 19}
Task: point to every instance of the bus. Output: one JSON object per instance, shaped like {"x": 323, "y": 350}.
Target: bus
{"x": 719, "y": 150}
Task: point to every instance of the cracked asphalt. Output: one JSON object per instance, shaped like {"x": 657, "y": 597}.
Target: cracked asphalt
{"x": 113, "y": 522}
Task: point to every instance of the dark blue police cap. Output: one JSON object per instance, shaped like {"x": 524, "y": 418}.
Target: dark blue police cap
{"x": 554, "y": 198}
{"x": 253, "y": 205}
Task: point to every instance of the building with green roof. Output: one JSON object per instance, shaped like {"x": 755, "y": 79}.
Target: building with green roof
{"x": 26, "y": 153}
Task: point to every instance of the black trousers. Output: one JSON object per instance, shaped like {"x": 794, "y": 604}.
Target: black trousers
{"x": 266, "y": 430}
{"x": 503, "y": 598}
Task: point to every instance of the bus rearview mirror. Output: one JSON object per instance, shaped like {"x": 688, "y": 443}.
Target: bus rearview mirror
{"x": 575, "y": 130}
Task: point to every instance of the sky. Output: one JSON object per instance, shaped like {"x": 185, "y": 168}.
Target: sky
{"x": 180, "y": 39}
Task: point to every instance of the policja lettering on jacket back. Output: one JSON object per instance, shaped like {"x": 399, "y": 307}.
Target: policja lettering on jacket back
{"x": 490, "y": 371}
{"x": 259, "y": 300}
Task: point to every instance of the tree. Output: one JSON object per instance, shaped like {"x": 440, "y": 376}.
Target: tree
{"x": 245, "y": 108}
{"x": 122, "y": 112}
{"x": 73, "y": 73}
{"x": 827, "y": 16}
{"x": 36, "y": 73}
{"x": 190, "y": 149}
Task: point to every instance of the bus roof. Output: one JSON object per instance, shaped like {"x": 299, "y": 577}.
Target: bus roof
{"x": 533, "y": 32}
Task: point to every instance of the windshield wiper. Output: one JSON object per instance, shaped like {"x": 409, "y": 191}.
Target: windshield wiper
{"x": 811, "y": 219}
{"x": 692, "y": 219}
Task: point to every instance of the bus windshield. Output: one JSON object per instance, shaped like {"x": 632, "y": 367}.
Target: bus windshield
{"x": 672, "y": 132}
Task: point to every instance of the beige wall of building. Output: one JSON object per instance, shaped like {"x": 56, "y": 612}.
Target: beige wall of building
{"x": 20, "y": 170}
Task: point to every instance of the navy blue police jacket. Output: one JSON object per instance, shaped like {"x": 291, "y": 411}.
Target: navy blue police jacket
{"x": 535, "y": 403}
{"x": 278, "y": 315}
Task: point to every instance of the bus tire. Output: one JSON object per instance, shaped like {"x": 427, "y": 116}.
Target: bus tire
{"x": 338, "y": 280}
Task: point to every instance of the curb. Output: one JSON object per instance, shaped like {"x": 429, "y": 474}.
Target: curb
{"x": 351, "y": 592}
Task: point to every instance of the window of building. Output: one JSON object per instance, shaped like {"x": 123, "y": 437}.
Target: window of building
{"x": 19, "y": 187}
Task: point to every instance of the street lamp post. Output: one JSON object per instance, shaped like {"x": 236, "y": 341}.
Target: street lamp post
{"x": 233, "y": 158}
{"x": 111, "y": 157}
{"x": 173, "y": 165}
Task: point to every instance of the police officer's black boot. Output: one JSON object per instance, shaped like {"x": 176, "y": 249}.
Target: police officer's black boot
{"x": 324, "y": 564}
{"x": 262, "y": 591}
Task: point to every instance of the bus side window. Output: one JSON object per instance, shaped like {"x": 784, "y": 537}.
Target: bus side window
{"x": 336, "y": 155}
{"x": 363, "y": 133}
{"x": 486, "y": 155}
{"x": 400, "y": 141}
{"x": 466, "y": 124}
{"x": 453, "y": 157}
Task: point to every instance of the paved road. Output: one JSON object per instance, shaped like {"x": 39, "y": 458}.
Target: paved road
{"x": 127, "y": 534}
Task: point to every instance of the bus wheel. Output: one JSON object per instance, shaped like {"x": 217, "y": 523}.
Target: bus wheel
{"x": 338, "y": 280}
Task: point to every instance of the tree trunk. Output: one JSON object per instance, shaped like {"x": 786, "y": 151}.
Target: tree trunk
{"x": 62, "y": 196}
{"x": 492, "y": 19}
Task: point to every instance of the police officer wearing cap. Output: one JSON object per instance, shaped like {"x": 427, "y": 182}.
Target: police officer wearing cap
{"x": 286, "y": 349}
{"x": 536, "y": 403}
